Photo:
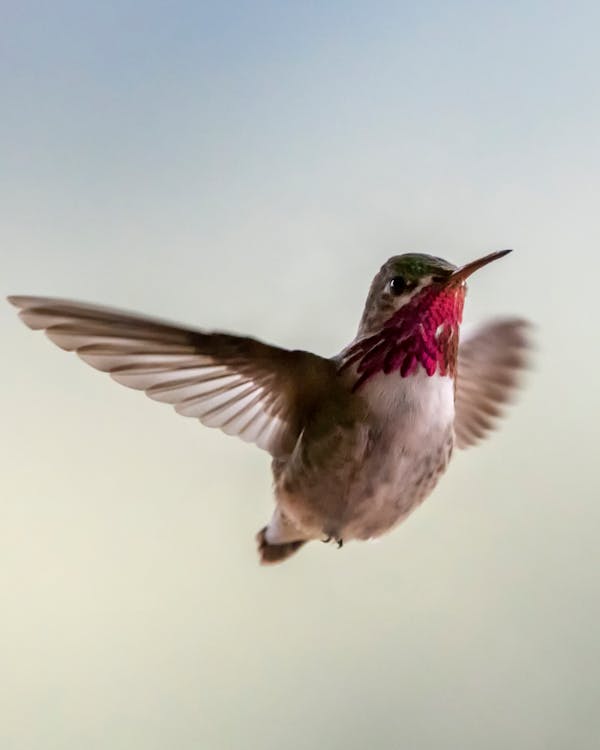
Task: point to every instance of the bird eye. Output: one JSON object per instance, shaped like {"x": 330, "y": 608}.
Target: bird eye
{"x": 398, "y": 285}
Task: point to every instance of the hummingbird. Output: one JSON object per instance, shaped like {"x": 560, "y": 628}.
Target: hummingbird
{"x": 357, "y": 440}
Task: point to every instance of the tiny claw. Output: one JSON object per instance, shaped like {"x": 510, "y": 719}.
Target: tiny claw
{"x": 327, "y": 539}
{"x": 340, "y": 543}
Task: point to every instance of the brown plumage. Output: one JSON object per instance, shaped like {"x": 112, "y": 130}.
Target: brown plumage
{"x": 347, "y": 462}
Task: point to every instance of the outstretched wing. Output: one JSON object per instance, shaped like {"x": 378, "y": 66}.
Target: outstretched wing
{"x": 490, "y": 362}
{"x": 238, "y": 384}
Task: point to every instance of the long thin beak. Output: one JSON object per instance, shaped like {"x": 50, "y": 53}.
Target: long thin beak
{"x": 464, "y": 271}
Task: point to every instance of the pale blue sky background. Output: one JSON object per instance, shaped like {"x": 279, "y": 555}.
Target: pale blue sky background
{"x": 249, "y": 166}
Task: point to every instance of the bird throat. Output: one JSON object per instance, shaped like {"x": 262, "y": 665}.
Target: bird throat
{"x": 422, "y": 333}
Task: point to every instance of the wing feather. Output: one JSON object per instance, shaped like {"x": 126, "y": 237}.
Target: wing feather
{"x": 490, "y": 365}
{"x": 238, "y": 384}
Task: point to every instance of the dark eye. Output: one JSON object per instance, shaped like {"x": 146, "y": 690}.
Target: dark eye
{"x": 398, "y": 285}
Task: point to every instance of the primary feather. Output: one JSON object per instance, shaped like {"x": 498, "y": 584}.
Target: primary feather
{"x": 490, "y": 362}
{"x": 236, "y": 383}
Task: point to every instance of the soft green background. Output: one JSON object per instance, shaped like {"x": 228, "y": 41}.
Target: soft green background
{"x": 248, "y": 166}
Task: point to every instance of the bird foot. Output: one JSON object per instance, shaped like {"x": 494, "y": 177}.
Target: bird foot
{"x": 338, "y": 541}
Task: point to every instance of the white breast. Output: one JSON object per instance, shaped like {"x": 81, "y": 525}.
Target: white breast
{"x": 416, "y": 405}
{"x": 414, "y": 420}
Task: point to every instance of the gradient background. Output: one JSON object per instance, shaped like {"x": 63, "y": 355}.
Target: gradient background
{"x": 248, "y": 166}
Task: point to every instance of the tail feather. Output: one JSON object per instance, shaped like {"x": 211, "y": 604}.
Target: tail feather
{"x": 270, "y": 554}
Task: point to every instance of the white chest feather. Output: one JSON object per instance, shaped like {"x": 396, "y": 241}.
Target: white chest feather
{"x": 415, "y": 407}
{"x": 413, "y": 419}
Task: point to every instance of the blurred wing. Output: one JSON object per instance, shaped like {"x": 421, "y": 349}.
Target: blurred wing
{"x": 238, "y": 384}
{"x": 490, "y": 361}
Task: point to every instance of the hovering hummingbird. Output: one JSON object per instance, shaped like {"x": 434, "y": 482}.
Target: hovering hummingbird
{"x": 358, "y": 440}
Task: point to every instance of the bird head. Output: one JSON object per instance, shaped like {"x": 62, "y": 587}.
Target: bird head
{"x": 412, "y": 316}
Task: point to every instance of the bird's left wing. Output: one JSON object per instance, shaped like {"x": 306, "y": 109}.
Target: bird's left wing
{"x": 238, "y": 384}
{"x": 490, "y": 361}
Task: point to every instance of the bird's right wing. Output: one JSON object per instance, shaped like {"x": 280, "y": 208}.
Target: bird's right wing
{"x": 490, "y": 362}
{"x": 243, "y": 386}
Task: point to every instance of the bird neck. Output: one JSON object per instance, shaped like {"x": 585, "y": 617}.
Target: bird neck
{"x": 422, "y": 334}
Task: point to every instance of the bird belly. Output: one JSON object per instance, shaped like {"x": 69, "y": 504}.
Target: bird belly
{"x": 370, "y": 475}
{"x": 395, "y": 487}
{"x": 415, "y": 419}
